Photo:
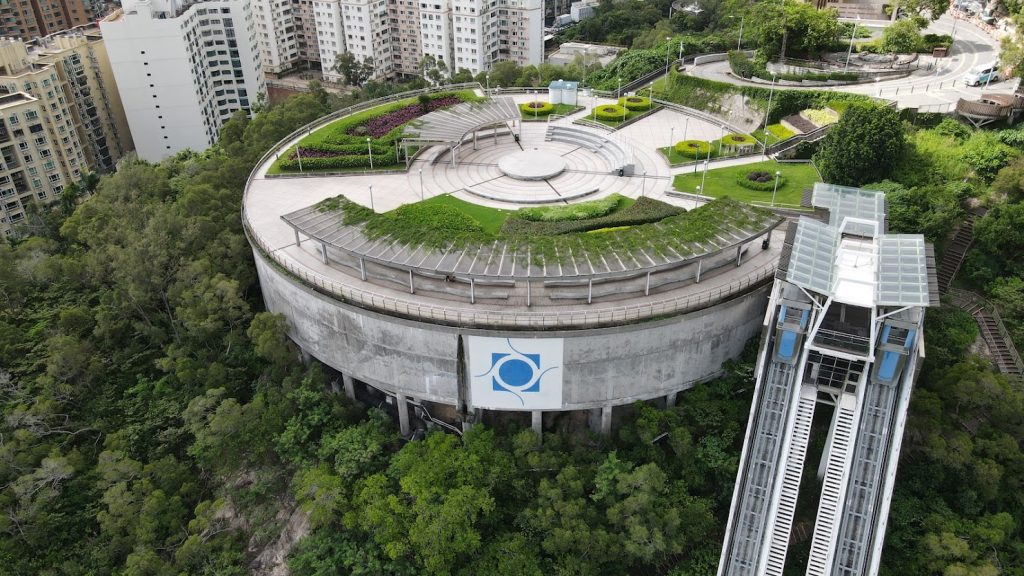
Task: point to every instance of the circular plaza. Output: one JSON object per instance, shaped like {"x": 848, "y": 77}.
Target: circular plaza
{"x": 492, "y": 262}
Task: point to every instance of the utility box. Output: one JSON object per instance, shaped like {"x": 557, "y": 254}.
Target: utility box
{"x": 939, "y": 52}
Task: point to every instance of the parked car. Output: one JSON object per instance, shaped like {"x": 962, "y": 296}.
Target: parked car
{"x": 983, "y": 74}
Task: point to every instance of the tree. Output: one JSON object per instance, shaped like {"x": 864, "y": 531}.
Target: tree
{"x": 353, "y": 71}
{"x": 792, "y": 28}
{"x": 864, "y": 146}
{"x": 924, "y": 9}
{"x": 902, "y": 37}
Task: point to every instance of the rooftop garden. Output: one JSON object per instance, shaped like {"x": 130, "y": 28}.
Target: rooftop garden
{"x": 553, "y": 232}
{"x": 753, "y": 183}
{"x": 539, "y": 111}
{"x": 364, "y": 140}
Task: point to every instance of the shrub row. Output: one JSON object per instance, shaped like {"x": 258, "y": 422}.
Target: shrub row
{"x": 581, "y": 211}
{"x": 693, "y": 148}
{"x": 537, "y": 108}
{"x": 635, "y": 103}
{"x": 333, "y": 162}
{"x": 346, "y": 149}
{"x": 644, "y": 211}
{"x": 760, "y": 180}
{"x": 610, "y": 112}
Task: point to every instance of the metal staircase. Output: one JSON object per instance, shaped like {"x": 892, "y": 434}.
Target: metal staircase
{"x": 832, "y": 488}
{"x": 791, "y": 481}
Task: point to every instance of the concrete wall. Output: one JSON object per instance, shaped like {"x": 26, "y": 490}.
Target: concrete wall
{"x": 608, "y": 366}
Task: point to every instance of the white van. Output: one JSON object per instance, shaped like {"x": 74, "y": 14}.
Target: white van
{"x": 983, "y": 74}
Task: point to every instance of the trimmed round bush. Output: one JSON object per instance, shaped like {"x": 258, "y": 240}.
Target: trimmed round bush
{"x": 738, "y": 140}
{"x": 537, "y": 108}
{"x": 635, "y": 102}
{"x": 610, "y": 112}
{"x": 693, "y": 148}
{"x": 760, "y": 180}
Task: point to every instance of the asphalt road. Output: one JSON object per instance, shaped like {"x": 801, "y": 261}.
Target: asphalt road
{"x": 927, "y": 88}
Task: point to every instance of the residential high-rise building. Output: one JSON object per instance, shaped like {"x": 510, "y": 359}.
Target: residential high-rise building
{"x": 182, "y": 69}
{"x": 61, "y": 118}
{"x": 28, "y": 19}
{"x": 276, "y": 29}
{"x": 842, "y": 334}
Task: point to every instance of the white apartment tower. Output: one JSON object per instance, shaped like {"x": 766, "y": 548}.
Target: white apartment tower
{"x": 182, "y": 69}
{"x": 397, "y": 34}
{"x": 277, "y": 29}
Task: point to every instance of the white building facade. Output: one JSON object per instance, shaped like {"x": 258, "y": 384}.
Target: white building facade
{"x": 182, "y": 69}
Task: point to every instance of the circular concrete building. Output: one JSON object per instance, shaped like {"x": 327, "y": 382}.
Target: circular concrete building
{"x": 455, "y": 332}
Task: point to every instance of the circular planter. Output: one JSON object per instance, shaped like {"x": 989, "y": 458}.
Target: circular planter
{"x": 610, "y": 112}
{"x": 693, "y": 148}
{"x": 637, "y": 103}
{"x": 760, "y": 180}
{"x": 738, "y": 140}
{"x": 537, "y": 108}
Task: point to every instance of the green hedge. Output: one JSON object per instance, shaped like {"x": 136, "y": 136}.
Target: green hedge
{"x": 542, "y": 109}
{"x": 644, "y": 211}
{"x": 581, "y": 211}
{"x": 347, "y": 149}
{"x": 610, "y": 112}
{"x": 334, "y": 162}
{"x": 760, "y": 185}
{"x": 693, "y": 148}
{"x": 636, "y": 103}
{"x": 739, "y": 140}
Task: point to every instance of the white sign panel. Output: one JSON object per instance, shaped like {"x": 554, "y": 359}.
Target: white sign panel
{"x": 515, "y": 373}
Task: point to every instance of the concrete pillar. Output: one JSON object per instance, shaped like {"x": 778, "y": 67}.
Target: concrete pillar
{"x": 350, "y": 387}
{"x": 606, "y": 420}
{"x": 594, "y": 420}
{"x": 307, "y": 358}
{"x": 403, "y": 414}
{"x": 670, "y": 399}
{"x": 537, "y": 421}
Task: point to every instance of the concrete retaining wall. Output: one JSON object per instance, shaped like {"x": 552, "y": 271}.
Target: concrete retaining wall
{"x": 602, "y": 367}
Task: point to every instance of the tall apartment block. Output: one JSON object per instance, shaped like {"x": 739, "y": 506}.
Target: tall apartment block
{"x": 60, "y": 117}
{"x": 28, "y": 19}
{"x": 843, "y": 333}
{"x": 182, "y": 69}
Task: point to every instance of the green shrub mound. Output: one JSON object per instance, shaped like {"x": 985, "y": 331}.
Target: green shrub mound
{"x": 644, "y": 211}
{"x": 610, "y": 112}
{"x": 537, "y": 108}
{"x": 738, "y": 140}
{"x": 333, "y": 162}
{"x": 760, "y": 180}
{"x": 581, "y": 211}
{"x": 636, "y": 103}
{"x": 693, "y": 148}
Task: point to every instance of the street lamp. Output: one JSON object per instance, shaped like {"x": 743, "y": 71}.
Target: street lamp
{"x": 369, "y": 148}
{"x": 720, "y": 140}
{"x": 421, "y": 183}
{"x": 371, "y": 198}
{"x": 298, "y": 154}
{"x": 739, "y": 43}
{"x": 668, "y": 53}
{"x": 686, "y": 128}
{"x": 952, "y": 36}
{"x": 650, "y": 96}
{"x": 706, "y": 162}
{"x": 849, "y": 50}
{"x": 488, "y": 91}
{"x": 671, "y": 139}
{"x": 764, "y": 145}
{"x": 776, "y": 188}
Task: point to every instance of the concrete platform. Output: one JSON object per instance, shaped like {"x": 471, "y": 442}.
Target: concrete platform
{"x": 531, "y": 165}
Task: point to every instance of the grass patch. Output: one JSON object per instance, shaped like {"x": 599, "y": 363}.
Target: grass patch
{"x": 675, "y": 158}
{"x": 489, "y": 219}
{"x": 561, "y": 109}
{"x": 776, "y": 133}
{"x": 721, "y": 182}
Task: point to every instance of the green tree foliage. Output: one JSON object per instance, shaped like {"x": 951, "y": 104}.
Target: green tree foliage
{"x": 864, "y": 146}
{"x": 353, "y": 71}
{"x": 902, "y": 37}
{"x": 792, "y": 28}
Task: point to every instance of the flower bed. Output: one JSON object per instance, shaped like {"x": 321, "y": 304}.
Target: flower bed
{"x": 635, "y": 103}
{"x": 738, "y": 140}
{"x": 537, "y": 108}
{"x": 380, "y": 126}
{"x": 610, "y": 112}
{"x": 693, "y": 148}
{"x": 760, "y": 180}
{"x": 820, "y": 117}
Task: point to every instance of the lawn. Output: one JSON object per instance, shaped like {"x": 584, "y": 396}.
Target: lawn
{"x": 776, "y": 133}
{"x": 562, "y": 109}
{"x": 721, "y": 182}
{"x": 490, "y": 219}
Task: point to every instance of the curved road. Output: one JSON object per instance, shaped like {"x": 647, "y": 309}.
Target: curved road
{"x": 926, "y": 88}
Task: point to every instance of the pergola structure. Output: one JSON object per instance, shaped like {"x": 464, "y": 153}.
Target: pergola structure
{"x": 452, "y": 126}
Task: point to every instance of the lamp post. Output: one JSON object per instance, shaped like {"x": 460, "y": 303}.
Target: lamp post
{"x": 298, "y": 154}
{"x": 668, "y": 53}
{"x": 849, "y": 51}
{"x": 421, "y": 183}
{"x": 739, "y": 43}
{"x": 371, "y": 198}
{"x": 952, "y": 36}
{"x": 671, "y": 139}
{"x": 686, "y": 128}
{"x": 650, "y": 96}
{"x": 488, "y": 91}
{"x": 776, "y": 188}
{"x": 706, "y": 162}
{"x": 535, "y": 102}
{"x": 369, "y": 149}
{"x": 720, "y": 140}
{"x": 764, "y": 145}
